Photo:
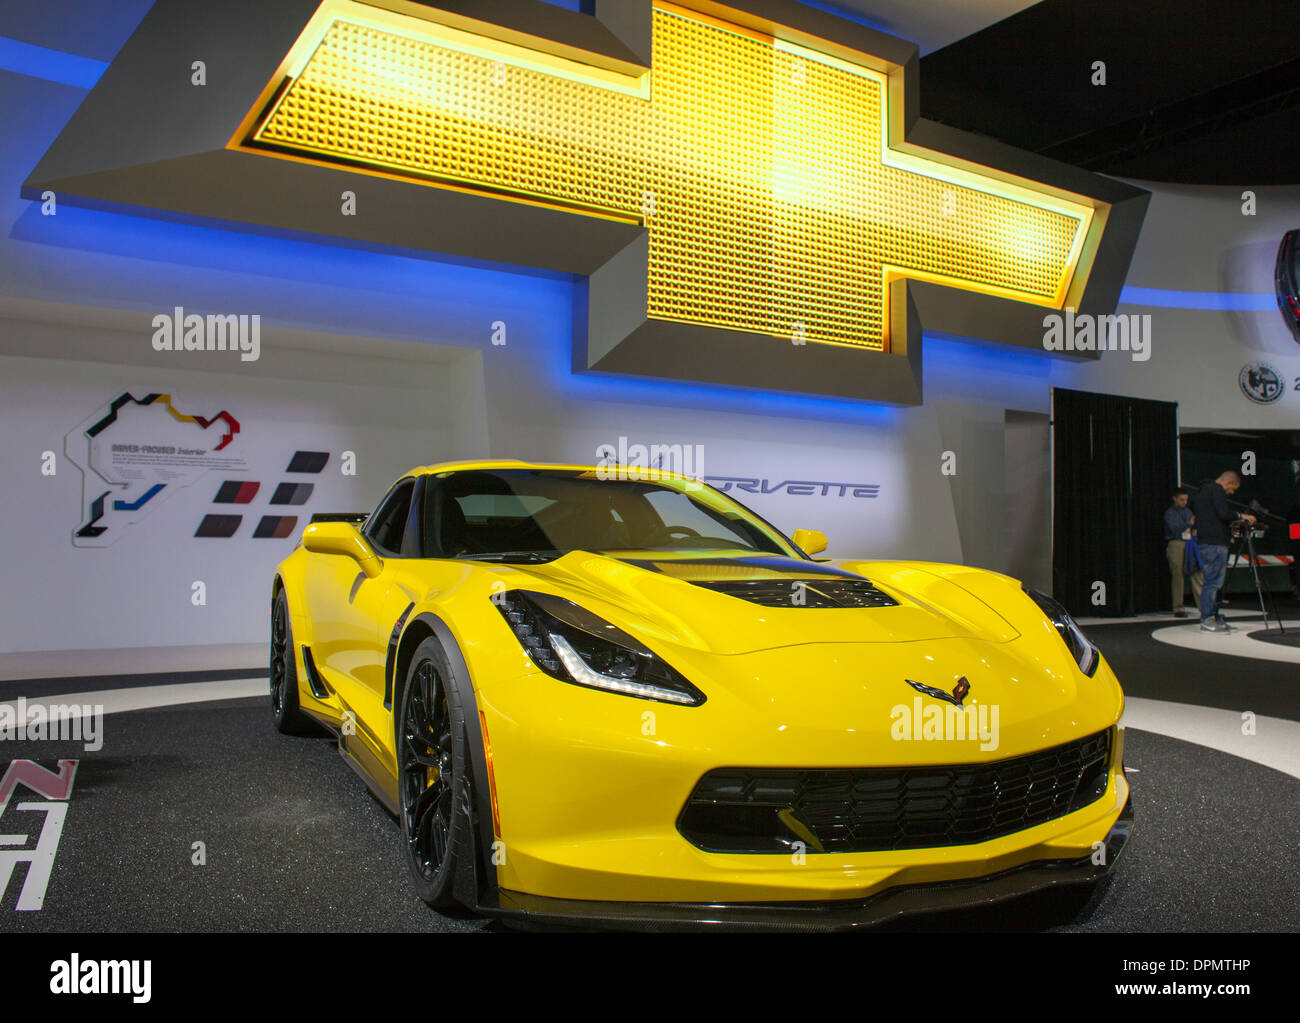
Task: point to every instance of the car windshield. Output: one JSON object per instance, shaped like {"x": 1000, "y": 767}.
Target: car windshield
{"x": 534, "y": 514}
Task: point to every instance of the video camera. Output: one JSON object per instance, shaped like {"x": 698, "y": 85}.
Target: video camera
{"x": 1260, "y": 512}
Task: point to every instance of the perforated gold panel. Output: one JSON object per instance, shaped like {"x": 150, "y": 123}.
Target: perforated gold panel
{"x": 759, "y": 167}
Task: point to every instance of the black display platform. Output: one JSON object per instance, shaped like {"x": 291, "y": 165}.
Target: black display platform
{"x": 294, "y": 841}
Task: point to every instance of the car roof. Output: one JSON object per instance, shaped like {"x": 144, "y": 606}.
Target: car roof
{"x": 508, "y": 463}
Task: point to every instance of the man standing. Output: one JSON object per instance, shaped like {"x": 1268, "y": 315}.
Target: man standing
{"x": 1213, "y": 517}
{"x": 1178, "y": 529}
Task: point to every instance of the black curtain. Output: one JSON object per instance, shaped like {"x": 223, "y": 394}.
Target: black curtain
{"x": 1114, "y": 466}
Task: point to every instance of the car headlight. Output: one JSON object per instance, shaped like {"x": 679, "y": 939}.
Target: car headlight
{"x": 1085, "y": 654}
{"x": 571, "y": 644}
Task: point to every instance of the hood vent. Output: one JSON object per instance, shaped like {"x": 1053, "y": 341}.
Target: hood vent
{"x": 795, "y": 592}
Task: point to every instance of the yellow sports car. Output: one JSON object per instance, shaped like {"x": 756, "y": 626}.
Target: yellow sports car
{"x": 617, "y": 697}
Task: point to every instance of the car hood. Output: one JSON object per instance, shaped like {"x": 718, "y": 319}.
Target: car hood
{"x": 735, "y": 603}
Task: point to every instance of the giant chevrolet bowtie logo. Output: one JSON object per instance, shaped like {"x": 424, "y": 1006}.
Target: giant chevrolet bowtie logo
{"x": 744, "y": 192}
{"x": 760, "y": 167}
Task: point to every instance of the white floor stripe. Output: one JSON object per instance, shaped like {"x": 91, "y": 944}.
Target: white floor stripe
{"x": 1165, "y": 617}
{"x": 119, "y": 701}
{"x": 131, "y": 660}
{"x": 1275, "y": 744}
{"x": 1234, "y": 644}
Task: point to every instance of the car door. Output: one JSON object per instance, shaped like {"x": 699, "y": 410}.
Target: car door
{"x": 354, "y": 617}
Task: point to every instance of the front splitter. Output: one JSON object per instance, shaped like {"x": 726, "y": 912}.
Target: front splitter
{"x": 833, "y": 915}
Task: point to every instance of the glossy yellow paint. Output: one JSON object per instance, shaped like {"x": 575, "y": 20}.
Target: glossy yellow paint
{"x": 810, "y": 541}
{"x": 588, "y": 785}
{"x": 341, "y": 538}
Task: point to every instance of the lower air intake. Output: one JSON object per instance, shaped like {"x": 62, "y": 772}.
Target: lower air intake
{"x": 767, "y": 810}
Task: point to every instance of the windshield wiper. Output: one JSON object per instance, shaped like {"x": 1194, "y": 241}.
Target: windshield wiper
{"x": 529, "y": 556}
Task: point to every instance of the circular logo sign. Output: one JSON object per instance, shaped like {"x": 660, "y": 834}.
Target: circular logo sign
{"x": 1261, "y": 383}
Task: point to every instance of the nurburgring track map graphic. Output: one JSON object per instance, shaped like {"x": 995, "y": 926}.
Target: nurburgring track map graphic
{"x": 134, "y": 453}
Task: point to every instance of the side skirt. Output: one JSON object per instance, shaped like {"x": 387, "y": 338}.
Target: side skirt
{"x": 366, "y": 766}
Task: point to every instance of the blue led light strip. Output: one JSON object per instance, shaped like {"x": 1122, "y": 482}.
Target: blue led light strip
{"x": 1168, "y": 298}
{"x": 51, "y": 65}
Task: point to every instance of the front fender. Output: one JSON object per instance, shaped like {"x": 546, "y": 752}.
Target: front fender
{"x": 481, "y": 888}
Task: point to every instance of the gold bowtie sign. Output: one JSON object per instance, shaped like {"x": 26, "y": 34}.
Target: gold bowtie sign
{"x": 761, "y": 167}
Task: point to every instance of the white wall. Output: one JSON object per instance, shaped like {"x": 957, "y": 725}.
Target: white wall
{"x": 392, "y": 413}
{"x": 540, "y": 415}
{"x": 1196, "y": 239}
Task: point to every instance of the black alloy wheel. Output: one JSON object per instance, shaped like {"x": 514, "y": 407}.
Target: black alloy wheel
{"x": 431, "y": 765}
{"x": 289, "y": 718}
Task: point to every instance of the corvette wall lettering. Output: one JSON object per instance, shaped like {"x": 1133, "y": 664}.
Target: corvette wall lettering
{"x": 795, "y": 488}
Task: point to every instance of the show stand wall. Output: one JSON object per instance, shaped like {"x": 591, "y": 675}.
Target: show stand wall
{"x": 140, "y": 588}
{"x": 407, "y": 360}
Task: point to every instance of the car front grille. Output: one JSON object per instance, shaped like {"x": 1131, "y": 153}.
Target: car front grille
{"x": 813, "y": 592}
{"x": 843, "y": 810}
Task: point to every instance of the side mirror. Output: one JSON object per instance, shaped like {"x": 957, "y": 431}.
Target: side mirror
{"x": 810, "y": 541}
{"x": 342, "y": 538}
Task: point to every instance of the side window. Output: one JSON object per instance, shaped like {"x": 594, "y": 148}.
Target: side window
{"x": 387, "y": 525}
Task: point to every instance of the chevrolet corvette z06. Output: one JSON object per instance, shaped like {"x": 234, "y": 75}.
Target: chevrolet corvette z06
{"x": 617, "y": 697}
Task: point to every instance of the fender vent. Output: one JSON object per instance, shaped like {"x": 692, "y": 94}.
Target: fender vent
{"x": 314, "y": 681}
{"x": 390, "y": 658}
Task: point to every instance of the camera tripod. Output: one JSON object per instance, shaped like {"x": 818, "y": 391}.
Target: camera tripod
{"x": 1245, "y": 537}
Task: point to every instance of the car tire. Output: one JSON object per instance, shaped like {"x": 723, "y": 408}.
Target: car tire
{"x": 285, "y": 709}
{"x": 435, "y": 811}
